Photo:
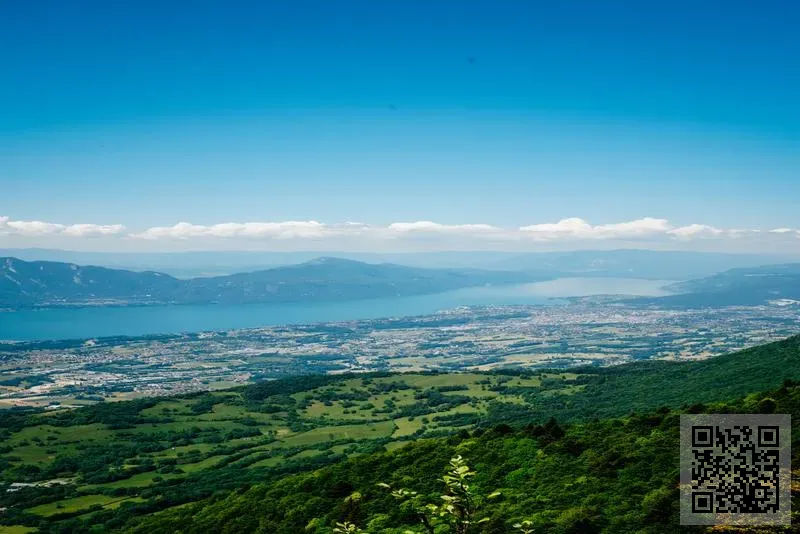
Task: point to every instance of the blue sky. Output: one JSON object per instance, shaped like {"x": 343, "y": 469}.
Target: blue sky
{"x": 507, "y": 114}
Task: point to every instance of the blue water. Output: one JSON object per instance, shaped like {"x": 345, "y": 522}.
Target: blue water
{"x": 136, "y": 321}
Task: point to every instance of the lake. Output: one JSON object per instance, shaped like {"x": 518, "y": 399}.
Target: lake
{"x": 136, "y": 321}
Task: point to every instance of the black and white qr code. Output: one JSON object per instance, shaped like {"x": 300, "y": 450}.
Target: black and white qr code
{"x": 735, "y": 469}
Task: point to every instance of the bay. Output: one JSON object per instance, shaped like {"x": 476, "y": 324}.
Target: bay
{"x": 91, "y": 322}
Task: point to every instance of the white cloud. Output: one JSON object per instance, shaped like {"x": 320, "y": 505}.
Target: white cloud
{"x": 308, "y": 230}
{"x": 638, "y": 228}
{"x": 39, "y": 228}
{"x": 576, "y": 228}
{"x": 276, "y": 230}
{"x": 436, "y": 228}
{"x": 34, "y": 227}
{"x": 273, "y": 230}
{"x": 740, "y": 232}
{"x": 93, "y": 230}
{"x": 695, "y": 231}
{"x": 646, "y": 229}
{"x": 181, "y": 230}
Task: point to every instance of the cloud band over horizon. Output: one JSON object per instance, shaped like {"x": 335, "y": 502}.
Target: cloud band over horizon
{"x": 565, "y": 230}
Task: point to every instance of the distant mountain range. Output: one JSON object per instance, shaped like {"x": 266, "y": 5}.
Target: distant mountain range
{"x": 633, "y": 263}
{"x": 48, "y": 283}
{"x": 666, "y": 265}
{"x": 45, "y": 283}
{"x": 749, "y": 286}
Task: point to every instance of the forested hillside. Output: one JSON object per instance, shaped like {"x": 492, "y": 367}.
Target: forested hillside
{"x": 564, "y": 449}
{"x": 614, "y": 475}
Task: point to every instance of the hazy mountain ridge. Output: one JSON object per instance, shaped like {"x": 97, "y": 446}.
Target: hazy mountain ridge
{"x": 744, "y": 286}
{"x": 34, "y": 283}
{"x": 636, "y": 263}
{"x": 25, "y": 284}
{"x": 47, "y": 283}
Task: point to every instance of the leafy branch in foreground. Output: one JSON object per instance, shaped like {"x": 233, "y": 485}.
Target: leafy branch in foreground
{"x": 459, "y": 508}
{"x": 525, "y": 527}
{"x": 346, "y": 528}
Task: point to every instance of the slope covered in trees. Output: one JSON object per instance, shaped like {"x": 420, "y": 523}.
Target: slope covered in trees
{"x": 563, "y": 448}
{"x": 613, "y": 475}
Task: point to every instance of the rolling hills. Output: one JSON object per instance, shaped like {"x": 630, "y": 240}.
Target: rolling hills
{"x": 40, "y": 283}
{"x": 283, "y": 455}
{"x": 604, "y": 476}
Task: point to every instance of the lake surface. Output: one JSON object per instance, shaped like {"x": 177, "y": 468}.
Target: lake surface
{"x": 137, "y": 321}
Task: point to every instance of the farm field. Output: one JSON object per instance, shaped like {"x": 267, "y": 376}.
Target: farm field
{"x": 149, "y": 454}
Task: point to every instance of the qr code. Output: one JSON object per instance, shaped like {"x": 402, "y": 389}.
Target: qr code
{"x": 735, "y": 469}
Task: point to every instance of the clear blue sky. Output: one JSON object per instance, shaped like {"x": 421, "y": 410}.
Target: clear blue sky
{"x": 148, "y": 113}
